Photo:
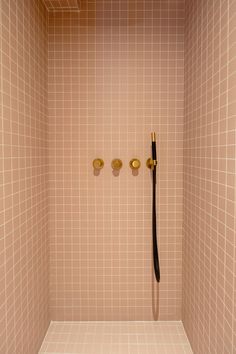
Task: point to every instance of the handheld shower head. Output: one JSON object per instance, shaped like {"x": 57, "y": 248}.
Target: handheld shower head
{"x": 153, "y": 135}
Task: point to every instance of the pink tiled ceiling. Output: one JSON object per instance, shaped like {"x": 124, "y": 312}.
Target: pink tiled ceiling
{"x": 61, "y": 4}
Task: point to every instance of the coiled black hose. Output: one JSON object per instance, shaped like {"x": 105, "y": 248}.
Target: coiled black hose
{"x": 154, "y": 224}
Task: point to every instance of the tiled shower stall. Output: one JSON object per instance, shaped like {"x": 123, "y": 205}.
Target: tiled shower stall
{"x": 93, "y": 78}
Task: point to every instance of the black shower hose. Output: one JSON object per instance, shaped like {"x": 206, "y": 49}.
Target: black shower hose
{"x": 154, "y": 224}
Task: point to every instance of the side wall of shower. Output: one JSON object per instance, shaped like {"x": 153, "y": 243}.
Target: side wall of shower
{"x": 115, "y": 75}
{"x": 24, "y": 254}
{"x": 209, "y": 269}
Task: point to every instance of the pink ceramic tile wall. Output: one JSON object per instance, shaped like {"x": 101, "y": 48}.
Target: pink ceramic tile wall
{"x": 23, "y": 209}
{"x": 209, "y": 176}
{"x": 115, "y": 75}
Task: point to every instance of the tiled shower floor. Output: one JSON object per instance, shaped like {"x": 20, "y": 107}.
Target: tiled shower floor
{"x": 116, "y": 338}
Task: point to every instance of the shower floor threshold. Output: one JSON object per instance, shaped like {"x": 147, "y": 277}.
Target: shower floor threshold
{"x": 162, "y": 337}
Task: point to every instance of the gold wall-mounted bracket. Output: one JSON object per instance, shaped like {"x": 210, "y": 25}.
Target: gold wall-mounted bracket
{"x": 134, "y": 164}
{"x": 151, "y": 163}
{"x": 98, "y": 164}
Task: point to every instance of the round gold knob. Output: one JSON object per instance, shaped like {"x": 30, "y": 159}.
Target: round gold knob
{"x": 116, "y": 164}
{"x": 98, "y": 164}
{"x": 135, "y": 164}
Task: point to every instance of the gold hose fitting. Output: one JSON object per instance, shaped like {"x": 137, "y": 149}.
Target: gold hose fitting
{"x": 151, "y": 163}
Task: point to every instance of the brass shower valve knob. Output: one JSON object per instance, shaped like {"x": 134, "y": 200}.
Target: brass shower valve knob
{"x": 134, "y": 164}
{"x": 98, "y": 164}
{"x": 116, "y": 164}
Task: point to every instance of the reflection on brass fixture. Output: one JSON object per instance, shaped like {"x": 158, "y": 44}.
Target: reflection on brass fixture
{"x": 135, "y": 164}
{"x": 98, "y": 164}
{"x": 153, "y": 136}
{"x": 116, "y": 164}
{"x": 151, "y": 163}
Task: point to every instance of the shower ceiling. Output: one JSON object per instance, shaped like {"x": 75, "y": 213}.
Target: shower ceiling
{"x": 62, "y": 5}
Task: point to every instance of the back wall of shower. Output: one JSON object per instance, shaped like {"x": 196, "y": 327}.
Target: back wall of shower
{"x": 76, "y": 86}
{"x": 115, "y": 74}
